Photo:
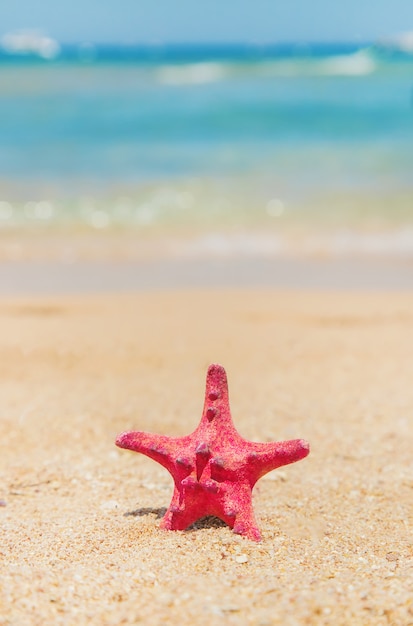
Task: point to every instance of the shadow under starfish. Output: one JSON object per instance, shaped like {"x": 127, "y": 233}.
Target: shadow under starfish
{"x": 209, "y": 521}
{"x": 159, "y": 513}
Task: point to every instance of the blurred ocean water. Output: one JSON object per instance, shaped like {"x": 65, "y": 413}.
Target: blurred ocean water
{"x": 208, "y": 138}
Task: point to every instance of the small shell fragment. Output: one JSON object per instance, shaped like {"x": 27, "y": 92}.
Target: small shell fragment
{"x": 241, "y": 558}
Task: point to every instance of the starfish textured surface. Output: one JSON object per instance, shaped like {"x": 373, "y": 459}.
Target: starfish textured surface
{"x": 214, "y": 469}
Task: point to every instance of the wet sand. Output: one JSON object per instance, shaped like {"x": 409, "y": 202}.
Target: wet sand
{"x": 50, "y": 277}
{"x": 81, "y": 542}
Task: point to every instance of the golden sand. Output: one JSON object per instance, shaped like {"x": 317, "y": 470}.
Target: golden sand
{"x": 80, "y": 542}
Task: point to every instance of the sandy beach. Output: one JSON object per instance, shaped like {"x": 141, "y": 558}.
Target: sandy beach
{"x": 81, "y": 542}
{"x": 177, "y": 192}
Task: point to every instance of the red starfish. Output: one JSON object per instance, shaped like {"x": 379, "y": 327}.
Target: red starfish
{"x": 214, "y": 469}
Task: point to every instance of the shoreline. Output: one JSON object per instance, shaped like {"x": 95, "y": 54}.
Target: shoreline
{"x": 48, "y": 278}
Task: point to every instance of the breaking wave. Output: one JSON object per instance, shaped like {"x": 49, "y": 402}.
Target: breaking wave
{"x": 192, "y": 73}
{"x": 360, "y": 63}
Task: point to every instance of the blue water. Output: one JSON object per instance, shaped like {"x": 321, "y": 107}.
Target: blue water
{"x": 321, "y": 130}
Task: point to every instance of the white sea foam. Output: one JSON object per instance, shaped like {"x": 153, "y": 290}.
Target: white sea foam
{"x": 222, "y": 245}
{"x": 192, "y": 73}
{"x": 357, "y": 64}
{"x": 275, "y": 207}
{"x": 30, "y": 42}
{"x": 6, "y": 210}
{"x": 397, "y": 244}
{"x": 403, "y": 42}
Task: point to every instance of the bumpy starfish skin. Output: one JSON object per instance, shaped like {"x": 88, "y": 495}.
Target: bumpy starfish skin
{"x": 214, "y": 469}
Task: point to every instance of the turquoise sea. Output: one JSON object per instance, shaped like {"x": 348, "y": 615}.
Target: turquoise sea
{"x": 210, "y": 139}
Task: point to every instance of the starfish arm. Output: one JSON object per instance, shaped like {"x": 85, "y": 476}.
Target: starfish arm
{"x": 186, "y": 506}
{"x": 265, "y": 457}
{"x": 160, "y": 448}
{"x": 181, "y": 513}
{"x": 245, "y": 525}
{"x": 238, "y": 511}
{"x": 168, "y": 520}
